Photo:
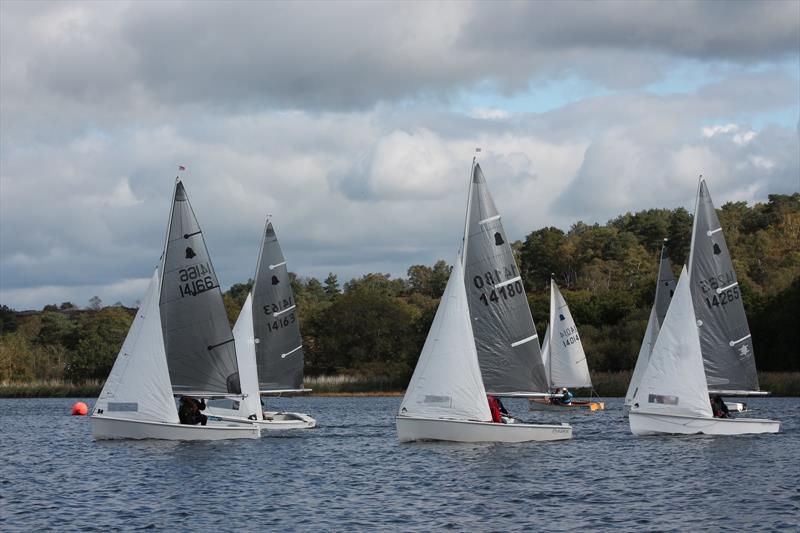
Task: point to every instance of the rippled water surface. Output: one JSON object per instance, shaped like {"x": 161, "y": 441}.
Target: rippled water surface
{"x": 351, "y": 474}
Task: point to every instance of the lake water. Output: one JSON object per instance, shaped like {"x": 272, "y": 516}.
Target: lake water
{"x": 351, "y": 474}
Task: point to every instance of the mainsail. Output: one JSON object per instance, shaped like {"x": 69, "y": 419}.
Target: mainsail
{"x": 197, "y": 336}
{"x": 447, "y": 379}
{"x": 505, "y": 335}
{"x": 665, "y": 288}
{"x": 279, "y": 347}
{"x": 724, "y": 334}
{"x": 566, "y": 361}
{"x": 138, "y": 386}
{"x": 674, "y": 381}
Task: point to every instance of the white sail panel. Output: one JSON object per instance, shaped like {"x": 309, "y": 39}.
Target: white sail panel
{"x": 665, "y": 288}
{"x": 650, "y": 336}
{"x": 674, "y": 381}
{"x": 568, "y": 367}
{"x": 138, "y": 386}
{"x": 246, "y": 359}
{"x": 447, "y": 380}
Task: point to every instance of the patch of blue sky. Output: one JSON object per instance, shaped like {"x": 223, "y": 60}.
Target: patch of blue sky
{"x": 538, "y": 97}
{"x": 687, "y": 77}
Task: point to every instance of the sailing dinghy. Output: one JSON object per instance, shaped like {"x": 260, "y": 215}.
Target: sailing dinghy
{"x": 269, "y": 348}
{"x": 180, "y": 343}
{"x": 563, "y": 357}
{"x": 447, "y": 396}
{"x": 665, "y": 288}
{"x": 673, "y": 397}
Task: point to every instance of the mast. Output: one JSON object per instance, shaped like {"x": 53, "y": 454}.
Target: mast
{"x": 166, "y": 235}
{"x": 550, "y": 327}
{"x": 466, "y": 218}
{"x": 694, "y": 226}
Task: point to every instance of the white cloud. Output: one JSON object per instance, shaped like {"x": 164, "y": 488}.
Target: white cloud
{"x": 489, "y": 113}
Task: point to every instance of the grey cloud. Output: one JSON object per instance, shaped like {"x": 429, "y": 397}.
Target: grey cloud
{"x": 346, "y": 55}
{"x": 726, "y": 30}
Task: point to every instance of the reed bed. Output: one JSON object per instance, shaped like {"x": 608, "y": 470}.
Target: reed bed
{"x": 606, "y": 384}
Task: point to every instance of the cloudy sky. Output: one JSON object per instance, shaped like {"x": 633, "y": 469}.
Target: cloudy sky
{"x": 354, "y": 125}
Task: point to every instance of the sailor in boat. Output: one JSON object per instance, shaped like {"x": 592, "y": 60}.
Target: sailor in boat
{"x": 564, "y": 399}
{"x": 718, "y": 407}
{"x": 500, "y": 414}
{"x": 189, "y": 411}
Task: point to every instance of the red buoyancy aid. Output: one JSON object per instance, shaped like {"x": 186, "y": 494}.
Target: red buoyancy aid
{"x": 494, "y": 408}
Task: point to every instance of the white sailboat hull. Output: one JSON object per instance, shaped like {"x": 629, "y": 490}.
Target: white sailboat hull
{"x": 106, "y": 427}
{"x": 643, "y": 423}
{"x": 273, "y": 420}
{"x": 279, "y": 420}
{"x": 411, "y": 429}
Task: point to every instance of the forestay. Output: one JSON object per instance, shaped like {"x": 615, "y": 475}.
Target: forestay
{"x": 505, "y": 335}
{"x": 566, "y": 360}
{"x": 197, "y": 336}
{"x": 279, "y": 347}
{"x": 246, "y": 359}
{"x": 665, "y": 288}
{"x": 447, "y": 379}
{"x": 674, "y": 381}
{"x": 138, "y": 386}
{"x": 724, "y": 333}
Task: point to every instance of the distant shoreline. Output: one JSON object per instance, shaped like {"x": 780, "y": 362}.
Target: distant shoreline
{"x": 607, "y": 385}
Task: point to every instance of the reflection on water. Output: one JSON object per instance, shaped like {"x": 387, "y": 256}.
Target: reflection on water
{"x": 351, "y": 473}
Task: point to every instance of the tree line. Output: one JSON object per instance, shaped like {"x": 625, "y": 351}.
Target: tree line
{"x": 375, "y": 325}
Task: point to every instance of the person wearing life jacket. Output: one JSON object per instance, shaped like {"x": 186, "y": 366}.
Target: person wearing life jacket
{"x": 566, "y": 396}
{"x": 494, "y": 408}
{"x": 189, "y": 411}
{"x": 718, "y": 407}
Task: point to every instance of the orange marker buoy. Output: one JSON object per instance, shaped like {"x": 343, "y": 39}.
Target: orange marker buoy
{"x": 80, "y": 409}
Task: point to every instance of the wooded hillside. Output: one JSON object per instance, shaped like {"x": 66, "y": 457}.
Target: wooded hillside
{"x": 376, "y": 325}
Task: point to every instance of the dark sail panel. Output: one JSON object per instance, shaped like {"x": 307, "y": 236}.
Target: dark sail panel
{"x": 505, "y": 335}
{"x": 197, "y": 336}
{"x": 279, "y": 347}
{"x": 722, "y": 323}
{"x": 666, "y": 286}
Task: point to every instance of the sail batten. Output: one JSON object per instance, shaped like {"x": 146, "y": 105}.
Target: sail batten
{"x": 501, "y": 318}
